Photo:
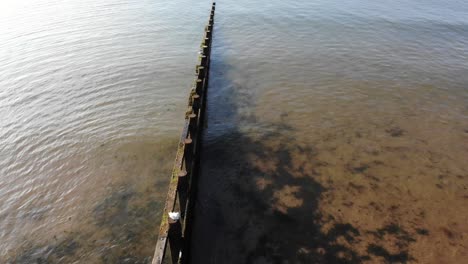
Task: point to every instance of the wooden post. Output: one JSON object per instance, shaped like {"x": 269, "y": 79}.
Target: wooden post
{"x": 195, "y": 102}
{"x": 175, "y": 236}
{"x": 199, "y": 86}
{"x": 175, "y": 226}
{"x": 182, "y": 191}
{"x": 201, "y": 69}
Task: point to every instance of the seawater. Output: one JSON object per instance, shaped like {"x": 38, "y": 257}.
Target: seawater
{"x": 337, "y": 130}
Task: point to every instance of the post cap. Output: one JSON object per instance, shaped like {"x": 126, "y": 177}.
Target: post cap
{"x": 174, "y": 216}
{"x": 182, "y": 173}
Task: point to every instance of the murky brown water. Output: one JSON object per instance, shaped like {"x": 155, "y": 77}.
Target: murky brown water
{"x": 337, "y": 130}
{"x": 340, "y": 135}
{"x": 118, "y": 210}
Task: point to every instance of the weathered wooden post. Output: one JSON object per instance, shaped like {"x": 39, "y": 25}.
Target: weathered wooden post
{"x": 175, "y": 224}
{"x": 182, "y": 191}
{"x": 175, "y": 236}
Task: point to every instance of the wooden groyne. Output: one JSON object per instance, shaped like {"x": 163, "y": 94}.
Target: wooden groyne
{"x": 175, "y": 226}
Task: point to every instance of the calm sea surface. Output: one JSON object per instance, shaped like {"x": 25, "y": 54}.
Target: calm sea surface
{"x": 337, "y": 130}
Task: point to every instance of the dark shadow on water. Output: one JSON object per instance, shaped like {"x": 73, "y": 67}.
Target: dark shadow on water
{"x": 258, "y": 197}
{"x": 256, "y": 206}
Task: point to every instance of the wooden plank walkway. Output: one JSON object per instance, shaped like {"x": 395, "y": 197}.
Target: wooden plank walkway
{"x": 175, "y": 226}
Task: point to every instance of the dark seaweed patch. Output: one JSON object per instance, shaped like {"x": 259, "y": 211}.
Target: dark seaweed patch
{"x": 402, "y": 240}
{"x": 126, "y": 217}
{"x": 395, "y": 132}
{"x": 52, "y": 253}
{"x": 356, "y": 187}
{"x": 372, "y": 177}
{"x": 347, "y": 231}
{"x": 448, "y": 233}
{"x": 401, "y": 257}
{"x": 394, "y": 229}
{"x": 114, "y": 209}
{"x": 359, "y": 169}
{"x": 375, "y": 206}
{"x": 422, "y": 231}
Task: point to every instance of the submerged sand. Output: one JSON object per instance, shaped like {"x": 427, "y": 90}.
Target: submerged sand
{"x": 371, "y": 180}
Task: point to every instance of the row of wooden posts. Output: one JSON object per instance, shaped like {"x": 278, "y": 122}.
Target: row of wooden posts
{"x": 175, "y": 226}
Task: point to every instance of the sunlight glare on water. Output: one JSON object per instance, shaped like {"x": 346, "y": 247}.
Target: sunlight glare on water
{"x": 91, "y": 101}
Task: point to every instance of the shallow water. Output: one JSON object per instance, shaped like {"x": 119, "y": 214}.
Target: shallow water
{"x": 337, "y": 133}
{"x": 92, "y": 99}
{"x": 337, "y": 130}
